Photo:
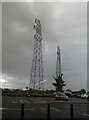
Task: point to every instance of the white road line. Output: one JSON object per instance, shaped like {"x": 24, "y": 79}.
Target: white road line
{"x": 85, "y": 114}
{"x": 3, "y": 108}
{"x": 16, "y": 109}
{"x": 29, "y": 109}
{"x": 57, "y": 110}
{"x": 14, "y": 101}
{"x": 10, "y": 109}
{"x": 43, "y": 109}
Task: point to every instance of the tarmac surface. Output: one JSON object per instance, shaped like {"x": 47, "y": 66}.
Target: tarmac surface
{"x": 36, "y": 108}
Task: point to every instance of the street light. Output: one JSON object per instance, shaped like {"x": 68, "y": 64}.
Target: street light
{"x": 41, "y": 82}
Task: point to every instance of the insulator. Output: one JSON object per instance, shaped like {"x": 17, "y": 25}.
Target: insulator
{"x": 35, "y": 20}
{"x": 34, "y": 27}
{"x": 38, "y": 21}
{"x": 34, "y": 36}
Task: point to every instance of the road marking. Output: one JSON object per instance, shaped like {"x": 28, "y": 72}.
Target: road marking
{"x": 30, "y": 109}
{"x": 3, "y": 108}
{"x": 14, "y": 101}
{"x": 58, "y": 101}
{"x": 43, "y": 109}
{"x": 85, "y": 114}
{"x": 57, "y": 110}
{"x": 16, "y": 109}
{"x": 11, "y": 109}
{"x": 20, "y": 101}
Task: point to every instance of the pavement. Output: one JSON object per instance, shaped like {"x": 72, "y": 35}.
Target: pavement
{"x": 36, "y": 108}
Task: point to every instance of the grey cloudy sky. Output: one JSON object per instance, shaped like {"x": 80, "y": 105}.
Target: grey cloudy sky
{"x": 63, "y": 24}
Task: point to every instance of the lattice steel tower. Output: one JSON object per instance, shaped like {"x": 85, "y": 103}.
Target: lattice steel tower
{"x": 58, "y": 64}
{"x": 36, "y": 77}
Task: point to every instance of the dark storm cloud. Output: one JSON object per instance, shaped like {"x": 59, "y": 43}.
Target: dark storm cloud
{"x": 18, "y": 19}
{"x": 63, "y": 24}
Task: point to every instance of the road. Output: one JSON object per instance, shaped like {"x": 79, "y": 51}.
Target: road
{"x": 37, "y": 108}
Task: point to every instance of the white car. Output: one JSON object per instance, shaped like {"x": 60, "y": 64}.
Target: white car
{"x": 84, "y": 96}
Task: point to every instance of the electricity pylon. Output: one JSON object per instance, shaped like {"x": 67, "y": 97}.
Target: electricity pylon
{"x": 58, "y": 64}
{"x": 37, "y": 64}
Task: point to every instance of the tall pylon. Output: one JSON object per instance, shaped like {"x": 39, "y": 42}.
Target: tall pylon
{"x": 58, "y": 64}
{"x": 36, "y": 77}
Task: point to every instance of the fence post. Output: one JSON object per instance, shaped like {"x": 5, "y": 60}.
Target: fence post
{"x": 22, "y": 111}
{"x": 48, "y": 111}
{"x": 71, "y": 111}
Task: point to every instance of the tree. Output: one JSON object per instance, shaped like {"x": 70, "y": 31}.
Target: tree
{"x": 47, "y": 91}
{"x": 27, "y": 88}
{"x": 82, "y": 91}
{"x": 59, "y": 83}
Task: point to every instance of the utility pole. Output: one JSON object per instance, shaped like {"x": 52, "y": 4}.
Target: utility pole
{"x": 37, "y": 63}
